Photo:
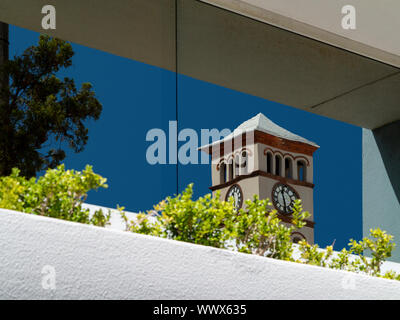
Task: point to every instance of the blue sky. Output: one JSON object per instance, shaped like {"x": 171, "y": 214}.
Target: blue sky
{"x": 137, "y": 97}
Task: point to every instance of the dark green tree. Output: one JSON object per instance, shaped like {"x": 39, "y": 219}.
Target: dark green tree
{"x": 41, "y": 114}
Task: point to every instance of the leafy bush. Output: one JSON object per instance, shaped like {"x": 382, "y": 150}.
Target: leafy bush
{"x": 209, "y": 221}
{"x": 202, "y": 221}
{"x": 379, "y": 245}
{"x": 256, "y": 229}
{"x": 59, "y": 193}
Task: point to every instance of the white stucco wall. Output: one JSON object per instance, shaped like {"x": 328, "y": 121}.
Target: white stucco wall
{"x": 98, "y": 263}
{"x": 116, "y": 221}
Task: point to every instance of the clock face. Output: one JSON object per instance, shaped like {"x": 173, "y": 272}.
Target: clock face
{"x": 236, "y": 193}
{"x": 283, "y": 198}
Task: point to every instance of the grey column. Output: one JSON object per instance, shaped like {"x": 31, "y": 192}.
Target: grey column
{"x": 381, "y": 181}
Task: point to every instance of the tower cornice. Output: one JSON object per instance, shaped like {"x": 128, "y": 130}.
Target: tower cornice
{"x": 263, "y": 174}
{"x": 263, "y": 138}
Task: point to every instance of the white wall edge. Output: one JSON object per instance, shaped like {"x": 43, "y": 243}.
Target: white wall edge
{"x": 98, "y": 263}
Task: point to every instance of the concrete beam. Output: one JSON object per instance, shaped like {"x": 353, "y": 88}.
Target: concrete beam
{"x": 246, "y": 55}
{"x": 142, "y": 30}
{"x": 321, "y": 20}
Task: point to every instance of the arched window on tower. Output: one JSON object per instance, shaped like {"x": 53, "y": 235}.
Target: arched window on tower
{"x": 223, "y": 174}
{"x": 244, "y": 163}
{"x": 301, "y": 170}
{"x": 288, "y": 168}
{"x": 278, "y": 165}
{"x": 237, "y": 166}
{"x": 269, "y": 162}
{"x": 230, "y": 171}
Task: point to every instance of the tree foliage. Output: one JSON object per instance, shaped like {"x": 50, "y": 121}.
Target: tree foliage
{"x": 39, "y": 112}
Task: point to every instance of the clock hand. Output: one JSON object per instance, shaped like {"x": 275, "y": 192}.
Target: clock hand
{"x": 284, "y": 200}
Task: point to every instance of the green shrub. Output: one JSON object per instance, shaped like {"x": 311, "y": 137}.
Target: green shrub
{"x": 379, "y": 246}
{"x": 180, "y": 218}
{"x": 59, "y": 193}
{"x": 256, "y": 229}
{"x": 209, "y": 221}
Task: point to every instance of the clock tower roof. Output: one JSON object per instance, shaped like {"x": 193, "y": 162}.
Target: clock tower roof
{"x": 261, "y": 123}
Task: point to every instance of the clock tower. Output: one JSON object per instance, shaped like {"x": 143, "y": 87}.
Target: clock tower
{"x": 262, "y": 158}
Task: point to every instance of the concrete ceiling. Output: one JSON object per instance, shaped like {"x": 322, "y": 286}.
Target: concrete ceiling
{"x": 228, "y": 49}
{"x": 372, "y": 36}
{"x": 142, "y": 30}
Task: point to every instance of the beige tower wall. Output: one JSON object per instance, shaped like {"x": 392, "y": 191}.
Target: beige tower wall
{"x": 263, "y": 185}
{"x": 250, "y": 187}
